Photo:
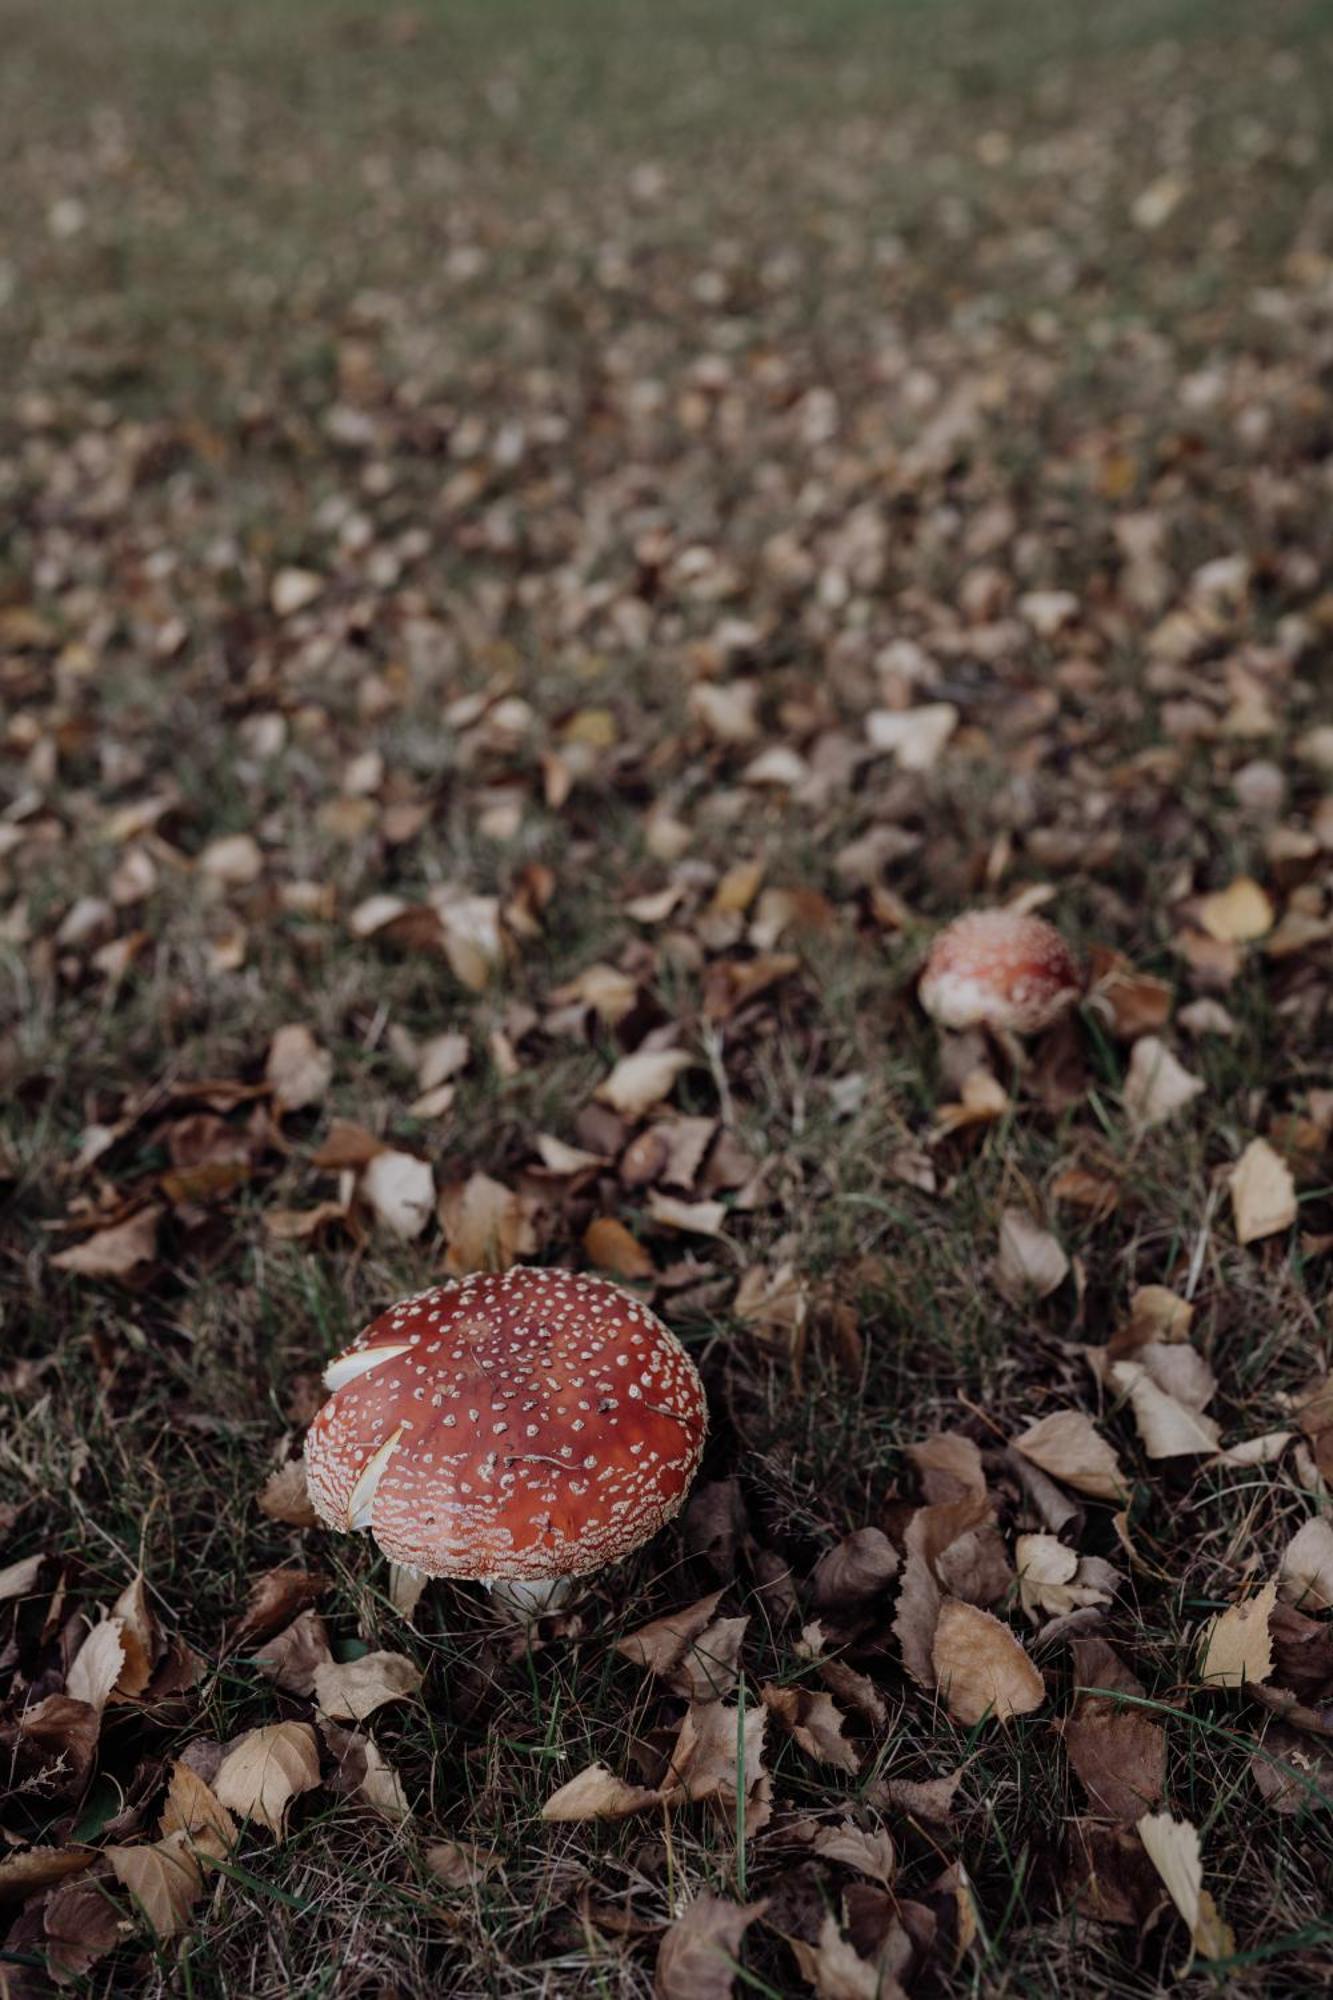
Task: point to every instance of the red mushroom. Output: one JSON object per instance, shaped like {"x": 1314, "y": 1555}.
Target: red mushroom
{"x": 999, "y": 969}
{"x": 516, "y": 1430}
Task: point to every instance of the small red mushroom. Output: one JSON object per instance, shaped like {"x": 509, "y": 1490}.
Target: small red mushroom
{"x": 999, "y": 969}
{"x": 518, "y": 1430}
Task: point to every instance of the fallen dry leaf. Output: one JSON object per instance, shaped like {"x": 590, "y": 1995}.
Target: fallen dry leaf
{"x": 353, "y": 1689}
{"x": 1238, "y": 914}
{"x": 981, "y": 1668}
{"x": 292, "y": 1657}
{"x": 400, "y": 1191}
{"x": 813, "y": 1719}
{"x": 638, "y": 1082}
{"x": 1157, "y": 1084}
{"x": 164, "y": 1878}
{"x": 1168, "y": 1428}
{"x": 485, "y": 1224}
{"x": 1235, "y": 1645}
{"x": 1307, "y": 1566}
{"x": 1173, "y": 1848}
{"x": 192, "y": 1808}
{"x": 81, "y": 1925}
{"x": 460, "y": 1864}
{"x": 596, "y": 1793}
{"x": 298, "y": 1070}
{"x": 1031, "y": 1263}
{"x": 285, "y": 1497}
{"x": 98, "y": 1664}
{"x": 1263, "y": 1192}
{"x": 697, "y": 1957}
{"x": 275, "y": 1598}
{"x": 114, "y": 1252}
{"x": 611, "y": 1248}
{"x": 1116, "y": 1750}
{"x": 264, "y": 1770}
{"x": 1067, "y": 1447}
{"x": 661, "y": 1645}
{"x": 837, "y": 1971}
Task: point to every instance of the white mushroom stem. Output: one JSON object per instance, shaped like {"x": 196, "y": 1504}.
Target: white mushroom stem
{"x": 526, "y": 1600}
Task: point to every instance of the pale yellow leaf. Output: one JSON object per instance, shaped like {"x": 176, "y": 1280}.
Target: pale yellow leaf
{"x": 1307, "y": 1566}
{"x": 298, "y": 1070}
{"x": 400, "y": 1189}
{"x": 97, "y": 1664}
{"x": 1263, "y": 1193}
{"x": 1173, "y": 1848}
{"x": 638, "y": 1082}
{"x": 596, "y": 1793}
{"x": 1156, "y": 1084}
{"x": 1237, "y": 914}
{"x": 164, "y": 1879}
{"x": 1031, "y": 1262}
{"x": 1168, "y": 1428}
{"x": 1067, "y": 1447}
{"x": 1236, "y": 1646}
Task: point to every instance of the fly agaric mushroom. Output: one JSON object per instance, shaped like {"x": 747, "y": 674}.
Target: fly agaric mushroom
{"x": 999, "y": 969}
{"x": 516, "y": 1430}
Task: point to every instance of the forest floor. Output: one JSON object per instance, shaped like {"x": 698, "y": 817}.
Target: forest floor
{"x": 539, "y": 533}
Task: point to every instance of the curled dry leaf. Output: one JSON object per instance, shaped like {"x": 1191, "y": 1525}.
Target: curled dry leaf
{"x": 1236, "y": 1647}
{"x": 1031, "y": 1263}
{"x": 597, "y": 1793}
{"x": 293, "y": 1656}
{"x": 275, "y": 1599}
{"x": 697, "y": 1957}
{"x": 980, "y": 1666}
{"x": 1067, "y": 1447}
{"x": 298, "y": 1070}
{"x": 837, "y": 1971}
{"x": 661, "y": 1645}
{"x": 1263, "y": 1193}
{"x": 1307, "y": 1566}
{"x": 813, "y": 1719}
{"x": 193, "y": 1808}
{"x": 265, "y": 1770}
{"x": 1169, "y": 1429}
{"x": 34, "y": 1868}
{"x": 460, "y": 1864}
{"x": 364, "y": 1773}
{"x": 1173, "y": 1848}
{"x": 850, "y": 1576}
{"x": 1157, "y": 1084}
{"x": 638, "y": 1082}
{"x": 98, "y": 1664}
{"x": 351, "y": 1690}
{"x": 114, "y": 1252}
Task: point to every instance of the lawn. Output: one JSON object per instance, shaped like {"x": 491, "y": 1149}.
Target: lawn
{"x": 535, "y": 534}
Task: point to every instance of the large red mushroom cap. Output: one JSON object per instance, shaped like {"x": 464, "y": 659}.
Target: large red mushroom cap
{"x": 999, "y": 969}
{"x": 521, "y": 1427}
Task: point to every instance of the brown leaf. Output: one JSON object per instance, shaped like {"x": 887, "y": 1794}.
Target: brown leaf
{"x": 714, "y": 1746}
{"x": 114, "y": 1252}
{"x": 352, "y": 1690}
{"x": 837, "y": 1971}
{"x": 34, "y": 1868}
{"x": 275, "y": 1599}
{"x": 948, "y": 1465}
{"x": 292, "y": 1656}
{"x": 662, "y": 1644}
{"x": 1168, "y": 1428}
{"x": 848, "y": 1578}
{"x": 265, "y": 1769}
{"x": 364, "y": 1773}
{"x": 610, "y": 1247}
{"x": 486, "y": 1225}
{"x": 81, "y": 1926}
{"x": 981, "y": 1668}
{"x": 870, "y": 1854}
{"x": 163, "y": 1877}
{"x": 697, "y": 1957}
{"x": 193, "y": 1809}
{"x": 1117, "y": 1752}
{"x": 460, "y": 1864}
{"x": 813, "y": 1719}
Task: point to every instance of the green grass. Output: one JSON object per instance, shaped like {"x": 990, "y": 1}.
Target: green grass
{"x": 644, "y": 237}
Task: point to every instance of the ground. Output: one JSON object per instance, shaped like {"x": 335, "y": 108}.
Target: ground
{"x": 683, "y": 501}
